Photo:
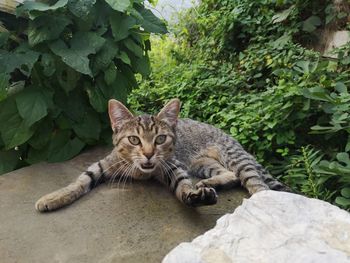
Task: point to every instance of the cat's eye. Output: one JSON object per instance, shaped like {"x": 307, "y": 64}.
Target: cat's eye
{"x": 160, "y": 139}
{"x": 134, "y": 140}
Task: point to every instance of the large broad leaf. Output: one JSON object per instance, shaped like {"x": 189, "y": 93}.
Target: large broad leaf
{"x": 15, "y": 132}
{"x": 90, "y": 128}
{"x": 47, "y": 62}
{"x": 67, "y": 77}
{"x": 72, "y": 104}
{"x": 119, "y": 5}
{"x": 39, "y": 6}
{"x": 81, "y": 8}
{"x": 132, "y": 46}
{"x": 121, "y": 24}
{"x": 46, "y": 27}
{"x": 121, "y": 88}
{"x": 4, "y": 83}
{"x": 22, "y": 58}
{"x": 97, "y": 99}
{"x": 105, "y": 56}
{"x": 43, "y": 135}
{"x": 35, "y": 155}
{"x": 142, "y": 66}
{"x": 151, "y": 23}
{"x": 81, "y": 45}
{"x": 62, "y": 147}
{"x": 8, "y": 160}
{"x": 31, "y": 104}
{"x": 110, "y": 74}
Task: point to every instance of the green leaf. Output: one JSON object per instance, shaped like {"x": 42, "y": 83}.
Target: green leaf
{"x": 119, "y": 5}
{"x": 8, "y": 160}
{"x": 22, "y": 58}
{"x": 62, "y": 147}
{"x": 347, "y": 146}
{"x": 316, "y": 93}
{"x": 89, "y": 128}
{"x": 344, "y": 158}
{"x": 110, "y": 74}
{"x": 281, "y": 16}
{"x": 37, "y": 155}
{"x": 46, "y": 27}
{"x": 81, "y": 8}
{"x": 72, "y": 104}
{"x": 42, "y": 136}
{"x": 133, "y": 47}
{"x": 340, "y": 87}
{"x": 4, "y": 36}
{"x": 28, "y": 6}
{"x": 311, "y": 23}
{"x": 105, "y": 56}
{"x": 15, "y": 132}
{"x": 143, "y": 66}
{"x": 124, "y": 57}
{"x": 151, "y": 23}
{"x": 31, "y": 105}
{"x": 4, "y": 84}
{"x": 48, "y": 64}
{"x": 67, "y": 77}
{"x": 121, "y": 88}
{"x": 345, "y": 192}
{"x": 97, "y": 99}
{"x": 81, "y": 45}
{"x": 281, "y": 41}
{"x": 121, "y": 24}
{"x": 342, "y": 201}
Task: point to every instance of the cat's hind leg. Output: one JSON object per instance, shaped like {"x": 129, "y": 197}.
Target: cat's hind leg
{"x": 214, "y": 173}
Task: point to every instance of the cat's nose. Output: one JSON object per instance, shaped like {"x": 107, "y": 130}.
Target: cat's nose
{"x": 148, "y": 155}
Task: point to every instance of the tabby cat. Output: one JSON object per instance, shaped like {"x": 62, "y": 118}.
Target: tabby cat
{"x": 170, "y": 150}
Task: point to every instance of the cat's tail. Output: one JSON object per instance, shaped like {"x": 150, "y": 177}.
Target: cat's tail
{"x": 273, "y": 183}
{"x": 93, "y": 176}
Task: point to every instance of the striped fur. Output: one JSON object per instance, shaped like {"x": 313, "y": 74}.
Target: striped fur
{"x": 172, "y": 151}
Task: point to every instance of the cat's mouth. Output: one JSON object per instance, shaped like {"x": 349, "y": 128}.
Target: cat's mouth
{"x": 147, "y": 166}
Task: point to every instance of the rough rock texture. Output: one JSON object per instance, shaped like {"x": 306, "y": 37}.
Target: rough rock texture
{"x": 138, "y": 222}
{"x": 273, "y": 227}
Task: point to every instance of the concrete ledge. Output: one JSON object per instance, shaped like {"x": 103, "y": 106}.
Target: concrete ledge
{"x": 138, "y": 222}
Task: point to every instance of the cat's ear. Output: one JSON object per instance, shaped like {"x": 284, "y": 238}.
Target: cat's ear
{"x": 118, "y": 114}
{"x": 170, "y": 112}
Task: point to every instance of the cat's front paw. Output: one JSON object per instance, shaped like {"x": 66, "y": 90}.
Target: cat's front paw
{"x": 47, "y": 203}
{"x": 200, "y": 196}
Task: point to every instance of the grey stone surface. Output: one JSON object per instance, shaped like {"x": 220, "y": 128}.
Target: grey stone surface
{"x": 336, "y": 40}
{"x": 273, "y": 227}
{"x": 138, "y": 222}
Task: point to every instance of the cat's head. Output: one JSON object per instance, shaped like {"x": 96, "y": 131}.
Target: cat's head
{"x": 146, "y": 140}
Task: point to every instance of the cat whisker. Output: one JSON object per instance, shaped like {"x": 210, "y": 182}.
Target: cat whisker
{"x": 106, "y": 170}
{"x": 115, "y": 174}
{"x": 129, "y": 174}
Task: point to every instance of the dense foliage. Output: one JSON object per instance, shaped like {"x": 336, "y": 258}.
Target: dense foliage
{"x": 248, "y": 68}
{"x": 60, "y": 62}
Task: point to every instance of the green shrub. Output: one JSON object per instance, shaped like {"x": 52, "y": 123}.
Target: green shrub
{"x": 60, "y": 62}
{"x": 243, "y": 66}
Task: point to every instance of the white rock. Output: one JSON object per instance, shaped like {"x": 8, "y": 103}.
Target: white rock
{"x": 272, "y": 227}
